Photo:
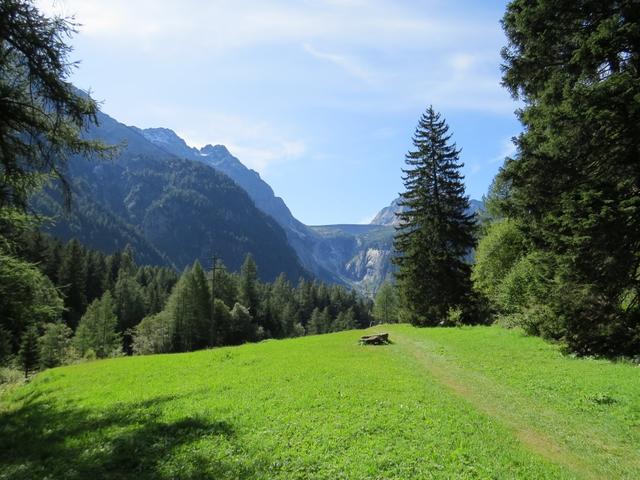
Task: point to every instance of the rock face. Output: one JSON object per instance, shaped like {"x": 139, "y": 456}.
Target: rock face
{"x": 387, "y": 216}
{"x": 359, "y": 254}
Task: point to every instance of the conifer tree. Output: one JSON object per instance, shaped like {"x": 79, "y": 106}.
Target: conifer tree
{"x": 248, "y": 285}
{"x": 574, "y": 181}
{"x": 42, "y": 113}
{"x": 436, "y": 231}
{"x": 222, "y": 326}
{"x": 314, "y": 324}
{"x": 226, "y": 288}
{"x": 28, "y": 353}
{"x": 5, "y": 345}
{"x": 129, "y": 301}
{"x": 346, "y": 320}
{"x": 180, "y": 313}
{"x": 72, "y": 278}
{"x": 200, "y": 303}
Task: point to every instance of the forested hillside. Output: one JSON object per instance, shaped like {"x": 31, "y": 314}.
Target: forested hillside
{"x": 171, "y": 211}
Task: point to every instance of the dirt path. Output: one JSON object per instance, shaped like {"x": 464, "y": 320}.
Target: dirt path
{"x": 520, "y": 413}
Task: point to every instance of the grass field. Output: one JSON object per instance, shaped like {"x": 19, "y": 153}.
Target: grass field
{"x": 478, "y": 402}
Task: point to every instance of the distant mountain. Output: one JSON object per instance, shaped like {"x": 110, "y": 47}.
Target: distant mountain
{"x": 171, "y": 209}
{"x": 388, "y": 215}
{"x": 175, "y": 203}
{"x": 300, "y": 237}
{"x": 355, "y": 255}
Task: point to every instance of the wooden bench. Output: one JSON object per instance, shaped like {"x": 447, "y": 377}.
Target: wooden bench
{"x": 375, "y": 339}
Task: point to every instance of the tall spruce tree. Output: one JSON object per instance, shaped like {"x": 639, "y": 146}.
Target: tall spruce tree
{"x": 436, "y": 230}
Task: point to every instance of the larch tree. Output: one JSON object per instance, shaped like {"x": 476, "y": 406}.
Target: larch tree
{"x": 436, "y": 230}
{"x": 97, "y": 329}
{"x": 385, "y": 307}
{"x": 41, "y": 114}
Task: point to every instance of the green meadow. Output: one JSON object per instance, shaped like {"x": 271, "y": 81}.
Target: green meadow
{"x": 471, "y": 402}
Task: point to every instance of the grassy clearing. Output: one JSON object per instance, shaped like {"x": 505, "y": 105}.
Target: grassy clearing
{"x": 438, "y": 403}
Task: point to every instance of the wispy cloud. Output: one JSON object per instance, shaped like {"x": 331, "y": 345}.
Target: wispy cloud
{"x": 225, "y": 24}
{"x": 349, "y": 65}
{"x": 258, "y": 144}
{"x": 508, "y": 149}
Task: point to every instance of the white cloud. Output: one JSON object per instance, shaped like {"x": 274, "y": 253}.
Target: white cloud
{"x": 228, "y": 24}
{"x": 410, "y": 54}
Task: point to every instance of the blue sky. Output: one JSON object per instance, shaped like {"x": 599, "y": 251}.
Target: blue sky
{"x": 321, "y": 97}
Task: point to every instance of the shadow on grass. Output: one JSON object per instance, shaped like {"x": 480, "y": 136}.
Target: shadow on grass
{"x": 40, "y": 441}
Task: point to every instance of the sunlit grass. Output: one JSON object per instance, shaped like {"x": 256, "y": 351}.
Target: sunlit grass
{"x": 438, "y": 403}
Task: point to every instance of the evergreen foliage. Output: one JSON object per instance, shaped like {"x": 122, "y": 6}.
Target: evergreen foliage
{"x": 27, "y": 297}
{"x": 41, "y": 114}
{"x": 247, "y": 286}
{"x": 280, "y": 311}
{"x": 572, "y": 186}
{"x": 5, "y": 346}
{"x": 28, "y": 353}
{"x": 72, "y": 278}
{"x": 436, "y": 231}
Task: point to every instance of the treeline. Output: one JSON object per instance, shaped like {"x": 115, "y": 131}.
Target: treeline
{"x": 83, "y": 275}
{"x": 59, "y": 302}
{"x": 233, "y": 308}
{"x": 50, "y": 290}
{"x": 71, "y": 302}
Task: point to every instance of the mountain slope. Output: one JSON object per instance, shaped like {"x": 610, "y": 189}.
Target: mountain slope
{"x": 177, "y": 210}
{"x": 472, "y": 402}
{"x": 303, "y": 239}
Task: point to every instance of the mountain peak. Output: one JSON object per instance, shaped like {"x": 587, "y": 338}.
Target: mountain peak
{"x": 168, "y": 140}
{"x": 214, "y": 150}
{"x": 388, "y": 215}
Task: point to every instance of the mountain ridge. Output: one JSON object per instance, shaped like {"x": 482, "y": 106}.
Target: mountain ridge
{"x": 173, "y": 211}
